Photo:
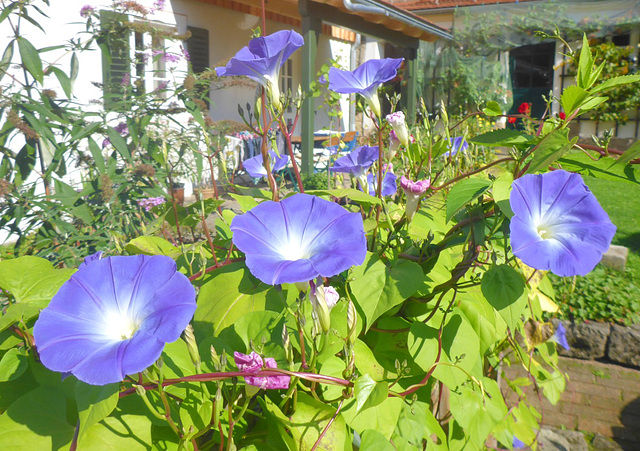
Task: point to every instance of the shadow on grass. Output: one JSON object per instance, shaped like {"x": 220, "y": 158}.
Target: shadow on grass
{"x": 631, "y": 241}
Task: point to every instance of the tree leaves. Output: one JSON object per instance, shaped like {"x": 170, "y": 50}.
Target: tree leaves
{"x": 464, "y": 192}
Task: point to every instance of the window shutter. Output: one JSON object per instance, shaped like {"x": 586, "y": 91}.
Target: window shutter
{"x": 198, "y": 48}
{"x": 116, "y": 58}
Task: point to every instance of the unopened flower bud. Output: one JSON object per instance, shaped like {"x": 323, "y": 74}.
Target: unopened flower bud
{"x": 397, "y": 122}
{"x": 215, "y": 358}
{"x": 286, "y": 342}
{"x": 394, "y": 144}
{"x": 320, "y": 307}
{"x": 192, "y": 346}
{"x": 352, "y": 322}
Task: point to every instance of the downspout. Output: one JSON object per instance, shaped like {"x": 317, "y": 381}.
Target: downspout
{"x": 357, "y": 7}
{"x": 372, "y": 7}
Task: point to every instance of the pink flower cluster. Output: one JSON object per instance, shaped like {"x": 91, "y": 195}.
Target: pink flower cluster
{"x": 150, "y": 202}
{"x": 419, "y": 187}
{"x": 253, "y": 363}
{"x": 87, "y": 10}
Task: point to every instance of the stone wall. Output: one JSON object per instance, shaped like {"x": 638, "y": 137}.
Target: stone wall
{"x": 600, "y": 398}
{"x": 593, "y": 340}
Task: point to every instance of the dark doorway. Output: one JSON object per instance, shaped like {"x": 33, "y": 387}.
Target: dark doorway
{"x": 532, "y": 75}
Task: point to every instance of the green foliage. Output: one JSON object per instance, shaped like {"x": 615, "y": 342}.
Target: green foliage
{"x": 602, "y": 295}
{"x": 431, "y": 315}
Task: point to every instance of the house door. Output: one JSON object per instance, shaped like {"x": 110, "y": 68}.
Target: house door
{"x": 532, "y": 76}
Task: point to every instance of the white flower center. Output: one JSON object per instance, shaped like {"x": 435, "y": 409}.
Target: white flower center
{"x": 294, "y": 251}
{"x": 119, "y": 326}
{"x": 544, "y": 232}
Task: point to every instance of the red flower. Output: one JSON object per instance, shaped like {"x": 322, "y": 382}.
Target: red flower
{"x": 512, "y": 119}
{"x": 561, "y": 115}
{"x": 524, "y": 108}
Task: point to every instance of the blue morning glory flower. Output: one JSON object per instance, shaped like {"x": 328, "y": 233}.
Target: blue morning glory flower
{"x": 298, "y": 239}
{"x": 560, "y": 336}
{"x": 365, "y": 79}
{"x": 389, "y": 185}
{"x": 558, "y": 224}
{"x": 113, "y": 317}
{"x": 262, "y": 59}
{"x": 456, "y": 145}
{"x": 517, "y": 443}
{"x": 255, "y": 168}
{"x": 356, "y": 162}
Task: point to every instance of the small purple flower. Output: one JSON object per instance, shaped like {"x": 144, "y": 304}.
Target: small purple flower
{"x": 298, "y": 239}
{"x": 150, "y": 202}
{"x": 106, "y": 142}
{"x": 397, "y": 122}
{"x": 262, "y": 59}
{"x": 455, "y": 145}
{"x": 113, "y": 317}
{"x": 558, "y": 224}
{"x": 253, "y": 363}
{"x": 560, "y": 336}
{"x": 122, "y": 128}
{"x": 167, "y": 57}
{"x": 414, "y": 192}
{"x": 185, "y": 53}
{"x": 126, "y": 79}
{"x": 255, "y": 168}
{"x": 389, "y": 185}
{"x": 517, "y": 443}
{"x": 86, "y": 11}
{"x": 365, "y": 79}
{"x": 158, "y": 5}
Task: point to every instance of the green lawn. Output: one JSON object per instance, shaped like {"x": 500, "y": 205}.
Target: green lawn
{"x": 622, "y": 202}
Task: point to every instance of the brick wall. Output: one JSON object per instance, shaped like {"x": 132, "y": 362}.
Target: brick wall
{"x": 599, "y": 398}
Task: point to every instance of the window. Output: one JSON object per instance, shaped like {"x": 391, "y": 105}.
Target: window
{"x": 143, "y": 70}
{"x": 198, "y": 49}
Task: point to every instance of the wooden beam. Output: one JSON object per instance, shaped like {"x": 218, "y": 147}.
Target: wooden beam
{"x": 354, "y": 22}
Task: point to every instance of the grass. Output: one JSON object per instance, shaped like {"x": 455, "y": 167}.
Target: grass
{"x": 622, "y": 202}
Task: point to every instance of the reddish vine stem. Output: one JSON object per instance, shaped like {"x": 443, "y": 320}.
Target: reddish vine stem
{"x": 326, "y": 428}
{"x": 294, "y": 164}
{"x": 208, "y": 377}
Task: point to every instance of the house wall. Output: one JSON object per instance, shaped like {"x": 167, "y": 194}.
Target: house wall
{"x": 577, "y": 11}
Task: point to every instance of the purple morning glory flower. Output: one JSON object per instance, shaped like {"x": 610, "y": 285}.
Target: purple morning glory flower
{"x": 253, "y": 363}
{"x": 357, "y": 161}
{"x": 113, "y": 317}
{"x": 91, "y": 258}
{"x": 414, "y": 192}
{"x": 455, "y": 145}
{"x": 389, "y": 186}
{"x": 517, "y": 443}
{"x": 262, "y": 58}
{"x": 298, "y": 239}
{"x": 558, "y": 224}
{"x": 254, "y": 166}
{"x": 365, "y": 79}
{"x": 560, "y": 336}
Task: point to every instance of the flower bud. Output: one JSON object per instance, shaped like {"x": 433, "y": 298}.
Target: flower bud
{"x": 273, "y": 93}
{"x": 286, "y": 342}
{"x": 215, "y": 358}
{"x": 394, "y": 144}
{"x": 320, "y": 307}
{"x": 397, "y": 122}
{"x": 352, "y": 322}
{"x": 192, "y": 346}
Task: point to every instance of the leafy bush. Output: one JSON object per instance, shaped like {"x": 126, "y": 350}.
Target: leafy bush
{"x": 602, "y": 295}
